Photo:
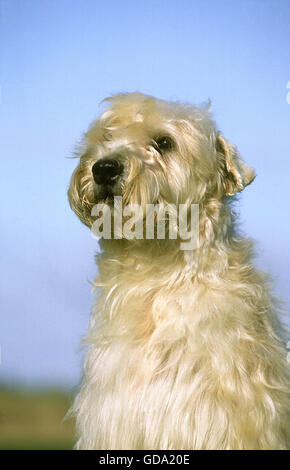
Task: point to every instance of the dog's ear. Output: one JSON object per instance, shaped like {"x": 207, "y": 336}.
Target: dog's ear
{"x": 235, "y": 173}
{"x": 79, "y": 195}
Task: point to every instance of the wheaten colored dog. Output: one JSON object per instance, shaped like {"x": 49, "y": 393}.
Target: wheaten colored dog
{"x": 184, "y": 346}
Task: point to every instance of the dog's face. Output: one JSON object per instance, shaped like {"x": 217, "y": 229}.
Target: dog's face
{"x": 150, "y": 151}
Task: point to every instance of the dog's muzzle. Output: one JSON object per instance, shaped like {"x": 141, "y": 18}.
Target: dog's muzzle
{"x": 106, "y": 171}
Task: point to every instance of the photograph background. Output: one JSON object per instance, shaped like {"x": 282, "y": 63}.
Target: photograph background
{"x": 59, "y": 59}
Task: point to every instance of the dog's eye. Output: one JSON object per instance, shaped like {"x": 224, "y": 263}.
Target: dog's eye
{"x": 163, "y": 143}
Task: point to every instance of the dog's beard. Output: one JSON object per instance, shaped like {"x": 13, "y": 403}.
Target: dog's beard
{"x": 105, "y": 194}
{"x": 134, "y": 188}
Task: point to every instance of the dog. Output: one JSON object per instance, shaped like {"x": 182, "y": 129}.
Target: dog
{"x": 185, "y": 346}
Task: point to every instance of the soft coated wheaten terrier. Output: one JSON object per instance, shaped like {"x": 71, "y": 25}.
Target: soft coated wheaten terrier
{"x": 185, "y": 348}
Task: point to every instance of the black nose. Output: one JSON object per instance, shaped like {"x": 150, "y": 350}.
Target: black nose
{"x": 106, "y": 171}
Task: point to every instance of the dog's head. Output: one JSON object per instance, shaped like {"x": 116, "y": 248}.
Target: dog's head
{"x": 151, "y": 151}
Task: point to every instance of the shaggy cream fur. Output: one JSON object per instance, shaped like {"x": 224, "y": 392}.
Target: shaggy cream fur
{"x": 184, "y": 346}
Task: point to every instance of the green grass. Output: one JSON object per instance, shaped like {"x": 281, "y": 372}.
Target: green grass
{"x": 23, "y": 444}
{"x": 35, "y": 419}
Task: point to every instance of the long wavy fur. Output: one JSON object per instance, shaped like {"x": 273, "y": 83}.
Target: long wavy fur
{"x": 185, "y": 348}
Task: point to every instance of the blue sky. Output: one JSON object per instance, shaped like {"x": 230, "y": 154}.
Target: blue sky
{"x": 59, "y": 59}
